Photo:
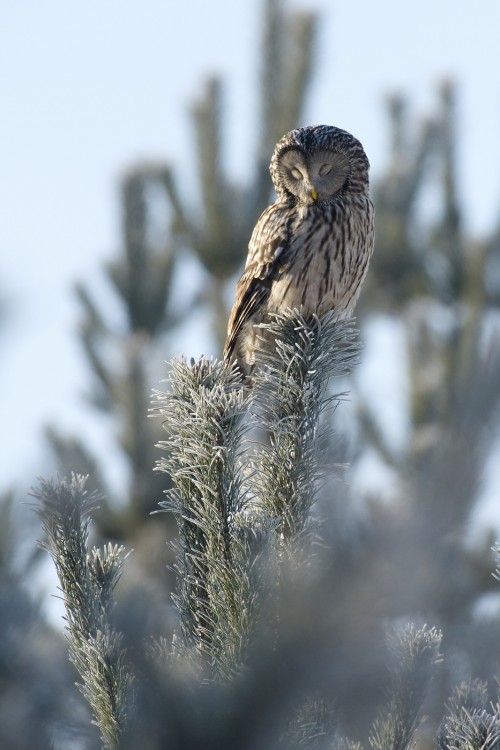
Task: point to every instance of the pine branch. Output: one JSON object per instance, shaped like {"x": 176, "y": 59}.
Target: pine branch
{"x": 142, "y": 278}
{"x": 468, "y": 724}
{"x": 229, "y": 503}
{"x": 93, "y": 329}
{"x": 207, "y": 121}
{"x": 312, "y": 728}
{"x": 87, "y": 583}
{"x": 203, "y": 416}
{"x": 290, "y": 396}
{"x": 416, "y": 651}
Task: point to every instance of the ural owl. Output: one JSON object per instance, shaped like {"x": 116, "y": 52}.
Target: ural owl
{"x": 310, "y": 249}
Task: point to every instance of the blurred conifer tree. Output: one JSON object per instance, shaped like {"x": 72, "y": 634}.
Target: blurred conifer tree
{"x": 434, "y": 279}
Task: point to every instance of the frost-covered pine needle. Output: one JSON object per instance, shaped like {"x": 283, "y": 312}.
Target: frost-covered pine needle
{"x": 470, "y": 723}
{"x": 290, "y": 395}
{"x": 203, "y": 413}
{"x": 87, "y": 583}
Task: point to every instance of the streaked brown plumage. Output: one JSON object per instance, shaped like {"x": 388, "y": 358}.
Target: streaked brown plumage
{"x": 310, "y": 249}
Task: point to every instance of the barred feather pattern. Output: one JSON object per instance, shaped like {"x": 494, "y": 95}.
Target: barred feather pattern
{"x": 311, "y": 248}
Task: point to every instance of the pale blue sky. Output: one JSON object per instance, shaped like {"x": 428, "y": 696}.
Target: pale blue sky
{"x": 87, "y": 88}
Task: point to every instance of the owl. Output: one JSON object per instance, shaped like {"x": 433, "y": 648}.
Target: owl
{"x": 310, "y": 249}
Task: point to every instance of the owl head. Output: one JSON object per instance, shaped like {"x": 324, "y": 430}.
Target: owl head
{"x": 318, "y": 164}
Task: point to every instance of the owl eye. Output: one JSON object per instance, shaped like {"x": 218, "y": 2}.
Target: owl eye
{"x": 325, "y": 169}
{"x": 296, "y": 173}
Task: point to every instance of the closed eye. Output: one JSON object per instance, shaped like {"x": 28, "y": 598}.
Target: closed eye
{"x": 296, "y": 174}
{"x": 325, "y": 169}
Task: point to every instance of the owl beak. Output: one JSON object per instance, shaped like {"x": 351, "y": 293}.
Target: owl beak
{"x": 314, "y": 194}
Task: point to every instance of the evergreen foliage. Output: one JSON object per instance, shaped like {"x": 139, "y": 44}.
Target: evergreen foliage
{"x": 262, "y": 656}
{"x": 87, "y": 579}
{"x": 202, "y": 413}
{"x": 290, "y": 396}
{"x": 219, "y": 488}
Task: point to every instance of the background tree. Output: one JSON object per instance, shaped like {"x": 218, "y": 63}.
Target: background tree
{"x": 438, "y": 290}
{"x": 37, "y": 703}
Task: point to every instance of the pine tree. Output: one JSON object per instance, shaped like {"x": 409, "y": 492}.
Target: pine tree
{"x": 274, "y": 647}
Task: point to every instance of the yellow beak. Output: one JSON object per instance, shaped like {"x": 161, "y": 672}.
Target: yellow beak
{"x": 314, "y": 194}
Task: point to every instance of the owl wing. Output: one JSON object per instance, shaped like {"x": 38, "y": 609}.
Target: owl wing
{"x": 265, "y": 262}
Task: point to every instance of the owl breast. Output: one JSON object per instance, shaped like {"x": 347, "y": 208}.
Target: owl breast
{"x": 326, "y": 260}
